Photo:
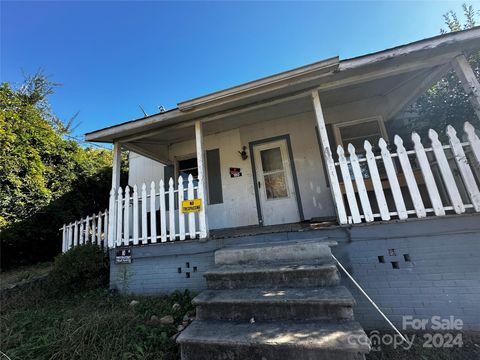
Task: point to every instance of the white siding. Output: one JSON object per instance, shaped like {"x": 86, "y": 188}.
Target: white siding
{"x": 239, "y": 205}
{"x": 143, "y": 170}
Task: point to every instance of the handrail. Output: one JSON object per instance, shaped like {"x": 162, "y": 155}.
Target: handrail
{"x": 369, "y": 299}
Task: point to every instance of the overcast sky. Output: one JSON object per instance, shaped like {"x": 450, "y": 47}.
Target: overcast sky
{"x": 113, "y": 56}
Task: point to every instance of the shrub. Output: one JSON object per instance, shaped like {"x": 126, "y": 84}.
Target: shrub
{"x": 83, "y": 267}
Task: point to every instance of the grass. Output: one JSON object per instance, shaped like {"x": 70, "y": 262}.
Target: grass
{"x": 37, "y": 322}
{"x": 24, "y": 274}
{"x": 89, "y": 325}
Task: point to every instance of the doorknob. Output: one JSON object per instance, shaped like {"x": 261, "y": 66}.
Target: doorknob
{"x": 259, "y": 184}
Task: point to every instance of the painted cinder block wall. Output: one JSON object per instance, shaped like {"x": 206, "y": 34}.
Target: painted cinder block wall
{"x": 441, "y": 278}
{"x": 438, "y": 270}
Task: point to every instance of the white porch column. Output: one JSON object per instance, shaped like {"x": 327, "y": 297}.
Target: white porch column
{"x": 117, "y": 163}
{"x": 202, "y": 189}
{"x": 112, "y": 211}
{"x": 330, "y": 164}
{"x": 469, "y": 81}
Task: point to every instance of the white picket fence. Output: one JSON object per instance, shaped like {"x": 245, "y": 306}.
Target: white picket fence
{"x": 437, "y": 172}
{"x": 142, "y": 216}
{"x": 91, "y": 230}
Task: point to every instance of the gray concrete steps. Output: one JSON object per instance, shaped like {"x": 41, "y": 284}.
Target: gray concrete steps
{"x": 317, "y": 340}
{"x": 276, "y": 304}
{"x": 272, "y": 275}
{"x": 292, "y": 251}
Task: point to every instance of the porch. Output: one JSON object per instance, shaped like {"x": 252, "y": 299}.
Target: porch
{"x": 309, "y": 143}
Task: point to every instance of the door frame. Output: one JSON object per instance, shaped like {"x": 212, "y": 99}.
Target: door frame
{"x": 251, "y": 145}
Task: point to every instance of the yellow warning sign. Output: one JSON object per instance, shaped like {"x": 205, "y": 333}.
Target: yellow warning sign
{"x": 189, "y": 206}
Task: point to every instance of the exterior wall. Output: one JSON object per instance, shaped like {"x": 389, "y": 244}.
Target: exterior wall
{"x": 143, "y": 170}
{"x": 238, "y": 207}
{"x": 442, "y": 277}
{"x": 315, "y": 196}
{"x": 239, "y": 204}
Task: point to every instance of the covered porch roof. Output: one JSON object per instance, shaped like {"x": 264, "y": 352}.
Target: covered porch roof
{"x": 395, "y": 77}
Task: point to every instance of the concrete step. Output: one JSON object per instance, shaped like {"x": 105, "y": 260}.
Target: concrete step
{"x": 220, "y": 340}
{"x": 272, "y": 276}
{"x": 294, "y": 251}
{"x": 275, "y": 304}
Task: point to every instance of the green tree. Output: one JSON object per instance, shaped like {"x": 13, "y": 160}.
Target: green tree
{"x": 46, "y": 177}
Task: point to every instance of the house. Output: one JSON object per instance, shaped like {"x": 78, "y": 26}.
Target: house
{"x": 282, "y": 157}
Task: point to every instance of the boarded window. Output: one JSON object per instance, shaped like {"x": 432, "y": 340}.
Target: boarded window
{"x": 215, "y": 194}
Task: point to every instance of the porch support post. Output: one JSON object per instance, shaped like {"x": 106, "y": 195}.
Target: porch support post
{"x": 202, "y": 189}
{"x": 327, "y": 154}
{"x": 117, "y": 163}
{"x": 112, "y": 211}
{"x": 469, "y": 81}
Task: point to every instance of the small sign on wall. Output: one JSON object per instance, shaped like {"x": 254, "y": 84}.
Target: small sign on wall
{"x": 123, "y": 256}
{"x": 193, "y": 205}
{"x": 235, "y": 172}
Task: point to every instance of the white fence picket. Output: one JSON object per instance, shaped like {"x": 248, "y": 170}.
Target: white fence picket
{"x": 70, "y": 237}
{"x": 376, "y": 181}
{"x": 464, "y": 167}
{"x": 427, "y": 174}
{"x": 144, "y": 214}
{"x": 191, "y": 216}
{"x": 202, "y": 217}
{"x": 119, "y": 216}
{"x": 75, "y": 234}
{"x": 87, "y": 229}
{"x": 82, "y": 232}
{"x": 446, "y": 172}
{"x": 64, "y": 238}
{"x": 106, "y": 229}
{"x": 135, "y": 215}
{"x": 126, "y": 216}
{"x": 362, "y": 191}
{"x": 94, "y": 230}
{"x": 181, "y": 216}
{"x": 99, "y": 229}
{"x": 111, "y": 219}
{"x": 163, "y": 217}
{"x": 393, "y": 180}
{"x": 171, "y": 209}
{"x": 153, "y": 218}
{"x": 410, "y": 177}
{"x": 473, "y": 140}
{"x": 347, "y": 182}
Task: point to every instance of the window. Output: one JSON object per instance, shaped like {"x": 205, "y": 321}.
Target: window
{"x": 355, "y": 133}
{"x": 186, "y": 167}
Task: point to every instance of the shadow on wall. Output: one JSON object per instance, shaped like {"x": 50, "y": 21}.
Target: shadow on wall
{"x": 38, "y": 238}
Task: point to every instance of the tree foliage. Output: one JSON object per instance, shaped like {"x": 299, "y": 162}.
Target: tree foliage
{"x": 46, "y": 178}
{"x": 446, "y": 102}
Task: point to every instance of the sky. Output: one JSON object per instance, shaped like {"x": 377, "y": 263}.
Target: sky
{"x": 113, "y": 56}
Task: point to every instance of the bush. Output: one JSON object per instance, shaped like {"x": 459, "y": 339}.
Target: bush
{"x": 83, "y": 267}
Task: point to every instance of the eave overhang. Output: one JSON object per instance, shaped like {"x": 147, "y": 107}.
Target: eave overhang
{"x": 322, "y": 75}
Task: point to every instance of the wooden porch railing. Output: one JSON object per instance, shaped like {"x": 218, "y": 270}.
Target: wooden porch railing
{"x": 142, "y": 216}
{"x": 360, "y": 173}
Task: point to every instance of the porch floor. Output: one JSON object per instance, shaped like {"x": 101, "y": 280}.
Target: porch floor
{"x": 271, "y": 229}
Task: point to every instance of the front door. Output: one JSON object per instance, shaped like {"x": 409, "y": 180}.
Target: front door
{"x": 276, "y": 190}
